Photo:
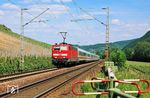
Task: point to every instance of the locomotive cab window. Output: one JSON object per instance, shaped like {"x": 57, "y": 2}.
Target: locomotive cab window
{"x": 56, "y": 48}
{"x": 63, "y": 48}
{"x": 60, "y": 48}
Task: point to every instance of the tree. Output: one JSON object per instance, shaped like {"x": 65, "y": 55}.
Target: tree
{"x": 118, "y": 57}
{"x": 142, "y": 51}
{"x": 129, "y": 53}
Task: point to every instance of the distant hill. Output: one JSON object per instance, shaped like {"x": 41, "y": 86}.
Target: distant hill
{"x": 145, "y": 38}
{"x": 101, "y": 47}
{"x": 139, "y": 49}
{"x": 10, "y": 44}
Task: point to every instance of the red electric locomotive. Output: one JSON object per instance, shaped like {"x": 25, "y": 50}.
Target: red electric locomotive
{"x": 64, "y": 54}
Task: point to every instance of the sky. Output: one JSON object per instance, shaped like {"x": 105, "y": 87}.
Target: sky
{"x": 129, "y": 19}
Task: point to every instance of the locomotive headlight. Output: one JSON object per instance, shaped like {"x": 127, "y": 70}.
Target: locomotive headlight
{"x": 55, "y": 54}
{"x": 63, "y": 54}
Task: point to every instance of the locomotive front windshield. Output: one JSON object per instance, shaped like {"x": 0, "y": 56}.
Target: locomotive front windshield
{"x": 56, "y": 48}
{"x": 60, "y": 48}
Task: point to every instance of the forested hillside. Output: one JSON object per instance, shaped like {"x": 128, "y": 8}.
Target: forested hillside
{"x": 99, "y": 48}
{"x": 139, "y": 49}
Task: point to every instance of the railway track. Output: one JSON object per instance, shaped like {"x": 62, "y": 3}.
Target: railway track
{"x": 41, "y": 87}
{"x": 20, "y": 75}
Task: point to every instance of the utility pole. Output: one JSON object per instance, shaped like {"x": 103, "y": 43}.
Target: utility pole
{"x": 20, "y": 67}
{"x": 104, "y": 24}
{"x": 22, "y": 41}
{"x": 107, "y": 35}
{"x": 64, "y": 36}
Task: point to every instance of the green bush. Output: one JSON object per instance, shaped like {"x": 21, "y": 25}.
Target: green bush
{"x": 118, "y": 57}
{"x": 9, "y": 65}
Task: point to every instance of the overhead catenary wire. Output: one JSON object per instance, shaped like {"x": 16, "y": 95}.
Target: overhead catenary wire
{"x": 86, "y": 27}
{"x": 40, "y": 2}
{"x": 78, "y": 13}
{"x": 82, "y": 19}
{"x": 21, "y": 8}
{"x": 72, "y": 16}
{"x": 94, "y": 18}
{"x": 62, "y": 2}
{"x": 36, "y": 17}
{"x": 89, "y": 14}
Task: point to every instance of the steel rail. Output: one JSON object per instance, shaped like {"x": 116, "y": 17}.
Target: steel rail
{"x": 20, "y": 75}
{"x": 52, "y": 89}
{"x": 29, "y": 86}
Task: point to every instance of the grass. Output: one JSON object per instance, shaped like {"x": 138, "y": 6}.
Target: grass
{"x": 125, "y": 73}
{"x": 136, "y": 63}
{"x": 141, "y": 66}
{"x": 130, "y": 74}
{"x": 6, "y": 30}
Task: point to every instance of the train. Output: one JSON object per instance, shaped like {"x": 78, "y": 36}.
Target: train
{"x": 64, "y": 54}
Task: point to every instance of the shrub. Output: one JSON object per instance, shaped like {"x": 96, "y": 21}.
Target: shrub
{"x": 9, "y": 65}
{"x": 118, "y": 57}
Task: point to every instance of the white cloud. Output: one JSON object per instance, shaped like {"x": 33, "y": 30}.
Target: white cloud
{"x": 11, "y": 18}
{"x": 48, "y": 31}
{"x": 98, "y": 13}
{"x": 148, "y": 27}
{"x": 129, "y": 31}
{"x": 2, "y": 13}
{"x": 9, "y": 6}
{"x": 136, "y": 27}
{"x": 116, "y": 22}
{"x": 83, "y": 16}
{"x": 53, "y": 9}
